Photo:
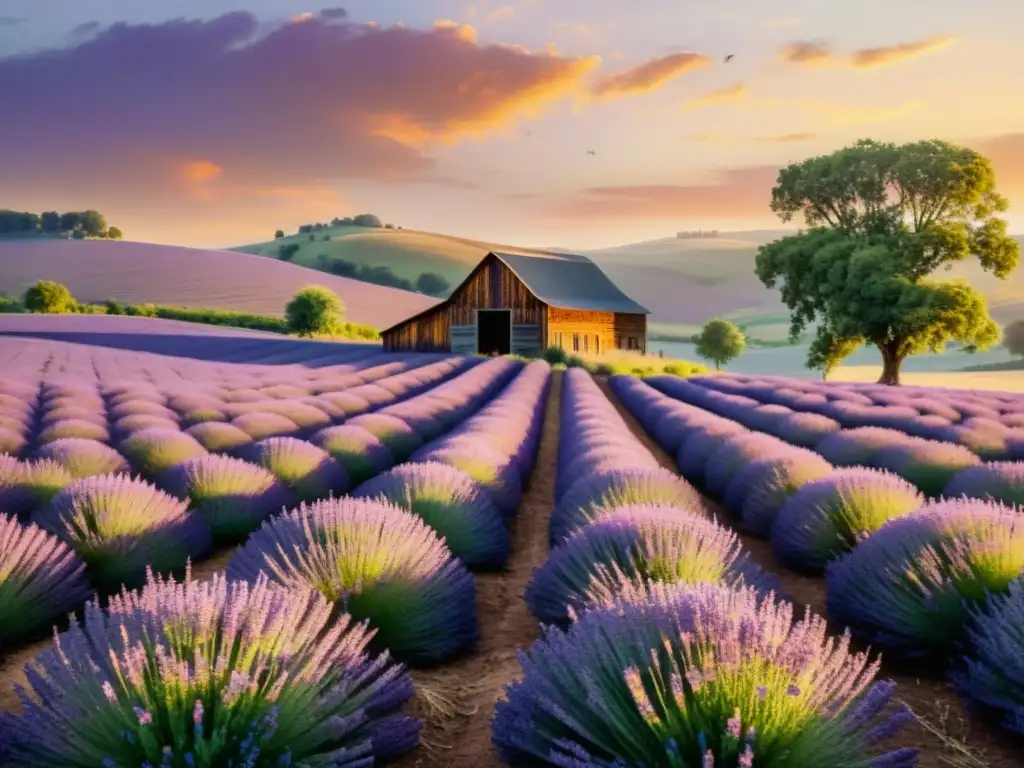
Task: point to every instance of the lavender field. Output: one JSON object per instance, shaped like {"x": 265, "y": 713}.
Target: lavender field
{"x": 228, "y": 548}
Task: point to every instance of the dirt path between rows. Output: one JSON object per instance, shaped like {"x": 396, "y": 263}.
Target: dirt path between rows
{"x": 946, "y": 734}
{"x": 468, "y": 689}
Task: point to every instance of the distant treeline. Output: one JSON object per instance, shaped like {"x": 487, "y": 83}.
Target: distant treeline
{"x": 73, "y": 224}
{"x": 697, "y": 233}
{"x": 427, "y": 283}
{"x": 360, "y": 220}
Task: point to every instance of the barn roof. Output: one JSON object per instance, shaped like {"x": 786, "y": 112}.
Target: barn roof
{"x": 569, "y": 281}
{"x": 563, "y": 280}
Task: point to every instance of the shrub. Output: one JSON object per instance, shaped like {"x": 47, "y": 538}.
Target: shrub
{"x": 758, "y": 491}
{"x": 50, "y": 298}
{"x": 44, "y": 479}
{"x": 315, "y": 310}
{"x": 804, "y": 429}
{"x": 308, "y": 470}
{"x": 210, "y": 674}
{"x": 929, "y": 465}
{"x": 695, "y": 451}
{"x": 701, "y": 676}
{"x": 358, "y": 451}
{"x": 992, "y": 672}
{"x": 380, "y": 563}
{"x": 450, "y": 502}
{"x": 826, "y": 518}
{"x": 857, "y": 447}
{"x": 491, "y": 469}
{"x": 218, "y": 436}
{"x": 635, "y": 545}
{"x": 153, "y": 451}
{"x": 73, "y": 428}
{"x": 120, "y": 527}
{"x": 1001, "y": 481}
{"x": 398, "y": 437}
{"x": 554, "y": 355}
{"x": 11, "y": 443}
{"x": 233, "y": 496}
{"x": 15, "y": 496}
{"x": 84, "y": 458}
{"x": 41, "y": 579}
{"x": 141, "y": 407}
{"x": 595, "y": 496}
{"x": 736, "y": 452}
{"x": 909, "y": 586}
{"x": 260, "y": 426}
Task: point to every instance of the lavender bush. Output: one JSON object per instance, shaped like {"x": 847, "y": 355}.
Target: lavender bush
{"x": 84, "y": 458}
{"x": 120, "y": 527}
{"x": 992, "y": 672}
{"x": 707, "y": 676}
{"x": 595, "y": 496}
{"x": 219, "y": 436}
{"x": 928, "y": 464}
{"x": 15, "y": 496}
{"x": 153, "y": 451}
{"x": 398, "y": 437}
{"x": 696, "y": 449}
{"x": 359, "y": 452}
{"x": 492, "y": 470}
{"x": 826, "y": 518}
{"x": 261, "y": 425}
{"x": 129, "y": 425}
{"x": 380, "y": 564}
{"x": 73, "y": 428}
{"x": 452, "y": 503}
{"x": 43, "y": 479}
{"x": 635, "y": 545}
{"x": 1001, "y": 481}
{"x": 308, "y": 470}
{"x": 758, "y": 491}
{"x": 233, "y": 496}
{"x": 910, "y": 585}
{"x": 857, "y": 447}
{"x": 212, "y": 674}
{"x": 734, "y": 453}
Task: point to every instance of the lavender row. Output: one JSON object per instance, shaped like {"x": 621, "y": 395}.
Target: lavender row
{"x": 661, "y": 632}
{"x": 990, "y": 425}
{"x": 937, "y": 468}
{"x": 904, "y": 574}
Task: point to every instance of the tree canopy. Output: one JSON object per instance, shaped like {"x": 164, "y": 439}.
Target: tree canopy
{"x": 1013, "y": 338}
{"x": 79, "y": 224}
{"x": 315, "y": 310}
{"x": 48, "y": 297}
{"x": 720, "y": 342}
{"x": 882, "y": 221}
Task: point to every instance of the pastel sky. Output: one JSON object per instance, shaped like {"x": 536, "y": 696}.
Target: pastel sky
{"x": 214, "y": 122}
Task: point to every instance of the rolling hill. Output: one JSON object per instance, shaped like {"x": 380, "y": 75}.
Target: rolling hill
{"x": 97, "y": 270}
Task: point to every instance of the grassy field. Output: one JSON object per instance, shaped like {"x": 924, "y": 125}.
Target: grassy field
{"x": 141, "y": 273}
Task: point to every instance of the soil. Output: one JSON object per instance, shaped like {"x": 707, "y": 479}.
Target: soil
{"x": 456, "y": 701}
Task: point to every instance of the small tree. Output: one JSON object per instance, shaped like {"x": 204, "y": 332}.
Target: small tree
{"x": 720, "y": 341}
{"x": 47, "y": 297}
{"x": 279, "y": 234}
{"x": 114, "y": 234}
{"x": 432, "y": 284}
{"x": 287, "y": 252}
{"x": 315, "y": 310}
{"x": 1013, "y": 338}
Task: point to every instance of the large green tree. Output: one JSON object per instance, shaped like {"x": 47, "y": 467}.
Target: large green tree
{"x": 882, "y": 221}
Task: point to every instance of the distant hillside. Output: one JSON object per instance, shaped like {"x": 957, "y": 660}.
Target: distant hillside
{"x": 97, "y": 270}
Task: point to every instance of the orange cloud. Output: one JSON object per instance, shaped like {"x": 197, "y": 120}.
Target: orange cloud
{"x": 807, "y": 53}
{"x": 788, "y": 138}
{"x": 650, "y": 75}
{"x": 735, "y": 193}
{"x": 736, "y": 92}
{"x": 870, "y": 58}
{"x": 200, "y": 171}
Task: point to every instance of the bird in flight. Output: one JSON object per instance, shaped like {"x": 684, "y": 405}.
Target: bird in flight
{"x": 591, "y": 152}
{"x": 729, "y": 58}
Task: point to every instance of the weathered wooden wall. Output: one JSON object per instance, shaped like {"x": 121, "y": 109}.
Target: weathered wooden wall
{"x": 598, "y": 332}
{"x": 491, "y": 285}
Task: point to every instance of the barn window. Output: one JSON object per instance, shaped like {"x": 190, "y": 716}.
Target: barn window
{"x": 575, "y": 342}
{"x": 618, "y": 341}
{"x": 586, "y": 343}
{"x": 597, "y": 345}
{"x": 631, "y": 343}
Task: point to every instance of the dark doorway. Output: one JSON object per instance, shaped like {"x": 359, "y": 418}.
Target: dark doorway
{"x": 494, "y": 331}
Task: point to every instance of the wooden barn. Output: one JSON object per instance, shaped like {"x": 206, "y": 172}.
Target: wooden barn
{"x": 522, "y": 303}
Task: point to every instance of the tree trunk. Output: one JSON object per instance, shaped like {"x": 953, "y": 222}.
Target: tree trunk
{"x": 891, "y": 362}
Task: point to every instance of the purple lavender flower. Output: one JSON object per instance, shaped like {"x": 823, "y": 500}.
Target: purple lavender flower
{"x": 672, "y": 679}
{"x": 153, "y": 451}
{"x": 736, "y": 452}
{"x": 909, "y": 586}
{"x": 381, "y": 563}
{"x": 129, "y": 425}
{"x": 233, "y": 496}
{"x": 632, "y": 546}
{"x": 398, "y": 437}
{"x": 928, "y": 464}
{"x": 11, "y": 443}
{"x": 1001, "y": 481}
{"x": 804, "y": 429}
{"x": 211, "y": 674}
{"x": 219, "y": 436}
{"x": 359, "y": 452}
{"x": 43, "y": 479}
{"x": 696, "y": 450}
{"x": 308, "y": 470}
{"x": 120, "y": 527}
{"x": 495, "y": 472}
{"x": 758, "y": 491}
{"x": 992, "y": 672}
{"x": 857, "y": 447}
{"x": 260, "y": 425}
{"x": 69, "y": 412}
{"x": 41, "y": 579}
{"x": 826, "y": 518}
{"x": 450, "y": 502}
{"x": 595, "y": 496}
{"x": 306, "y": 416}
{"x": 15, "y": 495}
{"x": 73, "y": 428}
{"x": 84, "y": 458}
{"x": 141, "y": 408}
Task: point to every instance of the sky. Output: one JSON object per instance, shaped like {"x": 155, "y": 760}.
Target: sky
{"x": 576, "y": 123}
